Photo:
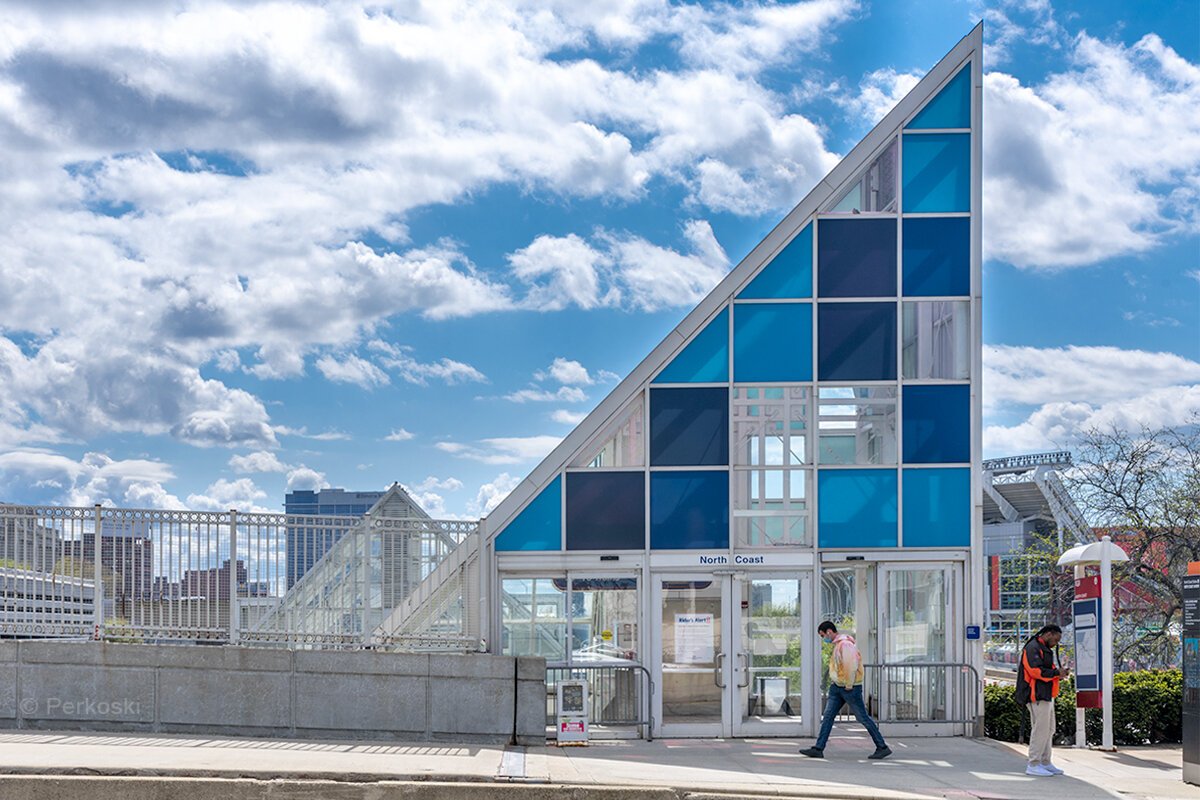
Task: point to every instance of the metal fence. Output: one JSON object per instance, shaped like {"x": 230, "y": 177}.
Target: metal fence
{"x": 618, "y": 694}
{"x": 147, "y": 575}
{"x": 925, "y": 692}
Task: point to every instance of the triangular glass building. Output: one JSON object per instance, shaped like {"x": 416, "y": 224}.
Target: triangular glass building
{"x": 804, "y": 446}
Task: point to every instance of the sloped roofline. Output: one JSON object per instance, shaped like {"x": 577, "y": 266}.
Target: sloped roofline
{"x": 858, "y": 158}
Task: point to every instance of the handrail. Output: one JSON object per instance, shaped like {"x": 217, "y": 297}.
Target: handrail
{"x": 648, "y": 723}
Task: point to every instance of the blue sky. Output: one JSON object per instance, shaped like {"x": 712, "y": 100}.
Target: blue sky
{"x": 247, "y": 246}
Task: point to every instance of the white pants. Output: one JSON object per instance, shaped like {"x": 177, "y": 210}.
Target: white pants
{"x": 1041, "y": 737}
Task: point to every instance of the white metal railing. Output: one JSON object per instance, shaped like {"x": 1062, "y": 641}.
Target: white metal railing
{"x": 148, "y": 575}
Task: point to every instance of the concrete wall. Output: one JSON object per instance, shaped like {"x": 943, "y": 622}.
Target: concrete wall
{"x": 242, "y": 691}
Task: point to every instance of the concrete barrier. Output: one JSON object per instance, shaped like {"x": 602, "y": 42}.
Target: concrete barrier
{"x": 243, "y": 691}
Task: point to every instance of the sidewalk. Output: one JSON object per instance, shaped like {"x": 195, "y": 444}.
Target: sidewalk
{"x": 920, "y": 768}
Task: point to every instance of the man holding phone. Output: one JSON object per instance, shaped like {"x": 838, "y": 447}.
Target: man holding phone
{"x": 1037, "y": 686}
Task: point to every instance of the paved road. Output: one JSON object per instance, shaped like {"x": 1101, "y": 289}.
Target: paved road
{"x": 921, "y": 768}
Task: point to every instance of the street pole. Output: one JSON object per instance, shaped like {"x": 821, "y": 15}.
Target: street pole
{"x": 1106, "y": 646}
{"x": 1080, "y": 714}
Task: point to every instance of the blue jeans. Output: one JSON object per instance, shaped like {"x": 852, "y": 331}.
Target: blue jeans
{"x": 854, "y": 699}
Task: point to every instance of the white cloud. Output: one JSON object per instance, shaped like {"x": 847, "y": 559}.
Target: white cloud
{"x": 492, "y": 494}
{"x": 222, "y": 495}
{"x": 303, "y": 477}
{"x": 564, "y": 394}
{"x": 1099, "y": 161}
{"x": 399, "y": 435}
{"x": 95, "y": 478}
{"x": 260, "y": 461}
{"x": 352, "y": 369}
{"x": 879, "y": 93}
{"x": 439, "y": 484}
{"x": 566, "y": 372}
{"x": 509, "y": 450}
{"x": 568, "y": 417}
{"x": 302, "y": 432}
{"x": 446, "y": 370}
{"x": 572, "y": 268}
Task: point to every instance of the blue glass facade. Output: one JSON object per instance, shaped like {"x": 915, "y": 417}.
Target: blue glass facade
{"x": 306, "y": 545}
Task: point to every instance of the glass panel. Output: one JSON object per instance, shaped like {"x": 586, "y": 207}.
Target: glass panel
{"x": 773, "y": 643}
{"x": 770, "y": 425}
{"x": 538, "y": 526}
{"x": 857, "y": 508}
{"x": 706, "y": 357}
{"x": 950, "y": 108}
{"x": 937, "y": 173}
{"x": 937, "y": 507}
{"x": 606, "y": 511}
{"x": 691, "y": 641}
{"x": 689, "y": 427}
{"x": 936, "y": 340}
{"x": 875, "y": 191}
{"x": 772, "y": 342}
{"x": 915, "y": 632}
{"x": 533, "y": 617}
{"x": 604, "y": 623}
{"x": 771, "y": 507}
{"x": 789, "y": 273}
{"x": 689, "y": 510}
{"x": 937, "y": 424}
{"x": 857, "y": 425}
{"x": 622, "y": 445}
{"x": 937, "y": 256}
{"x": 856, "y": 258}
{"x": 857, "y": 341}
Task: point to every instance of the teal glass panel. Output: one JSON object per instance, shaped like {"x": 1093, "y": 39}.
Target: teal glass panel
{"x": 788, "y": 275}
{"x": 937, "y": 424}
{"x": 950, "y": 108}
{"x": 937, "y": 507}
{"x": 937, "y": 173}
{"x": 772, "y": 342}
{"x": 857, "y": 507}
{"x": 539, "y": 526}
{"x": 689, "y": 510}
{"x": 706, "y": 357}
{"x": 937, "y": 256}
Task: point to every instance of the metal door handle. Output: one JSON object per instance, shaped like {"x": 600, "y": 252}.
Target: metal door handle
{"x": 746, "y": 669}
{"x": 719, "y": 670}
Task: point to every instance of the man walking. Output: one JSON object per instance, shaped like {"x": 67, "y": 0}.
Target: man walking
{"x": 1037, "y": 686}
{"x": 845, "y": 687}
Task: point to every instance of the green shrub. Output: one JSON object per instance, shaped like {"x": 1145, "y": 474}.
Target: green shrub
{"x": 1147, "y": 709}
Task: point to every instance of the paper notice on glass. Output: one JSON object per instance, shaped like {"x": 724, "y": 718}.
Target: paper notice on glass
{"x": 694, "y": 638}
{"x": 1087, "y": 661}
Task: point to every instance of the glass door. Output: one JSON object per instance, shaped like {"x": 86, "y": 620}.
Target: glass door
{"x": 690, "y": 661}
{"x": 772, "y": 636}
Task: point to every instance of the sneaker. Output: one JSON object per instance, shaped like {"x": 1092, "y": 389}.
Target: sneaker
{"x": 1052, "y": 769}
{"x": 1038, "y": 770}
{"x": 812, "y": 752}
{"x": 881, "y": 752}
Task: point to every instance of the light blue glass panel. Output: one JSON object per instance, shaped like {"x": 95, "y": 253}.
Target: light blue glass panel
{"x": 705, "y": 359}
{"x": 689, "y": 510}
{"x": 857, "y": 507}
{"x": 950, "y": 108}
{"x": 937, "y": 424}
{"x": 937, "y": 507}
{"x": 772, "y": 342}
{"x": 539, "y": 526}
{"x": 937, "y": 172}
{"x": 789, "y": 275}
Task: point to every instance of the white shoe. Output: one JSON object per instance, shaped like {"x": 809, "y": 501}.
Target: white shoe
{"x": 1052, "y": 769}
{"x": 1038, "y": 770}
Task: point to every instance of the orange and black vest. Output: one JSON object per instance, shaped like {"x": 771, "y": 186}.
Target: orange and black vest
{"x": 1032, "y": 682}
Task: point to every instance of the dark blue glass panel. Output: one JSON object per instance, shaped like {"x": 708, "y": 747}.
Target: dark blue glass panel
{"x": 606, "y": 510}
{"x": 937, "y": 256}
{"x": 689, "y": 510}
{"x": 706, "y": 357}
{"x": 772, "y": 342}
{"x": 789, "y": 274}
{"x": 937, "y": 173}
{"x": 937, "y": 507}
{"x": 689, "y": 427}
{"x": 951, "y": 107}
{"x": 856, "y": 258}
{"x": 857, "y": 508}
{"x": 937, "y": 424}
{"x": 857, "y": 341}
{"x": 538, "y": 526}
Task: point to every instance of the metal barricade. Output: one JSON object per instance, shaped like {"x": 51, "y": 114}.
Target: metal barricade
{"x": 619, "y": 694}
{"x": 931, "y": 691}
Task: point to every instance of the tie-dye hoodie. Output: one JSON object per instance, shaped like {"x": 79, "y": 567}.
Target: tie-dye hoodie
{"x": 845, "y": 663}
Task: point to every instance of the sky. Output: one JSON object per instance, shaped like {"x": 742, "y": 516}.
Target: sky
{"x": 248, "y": 247}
